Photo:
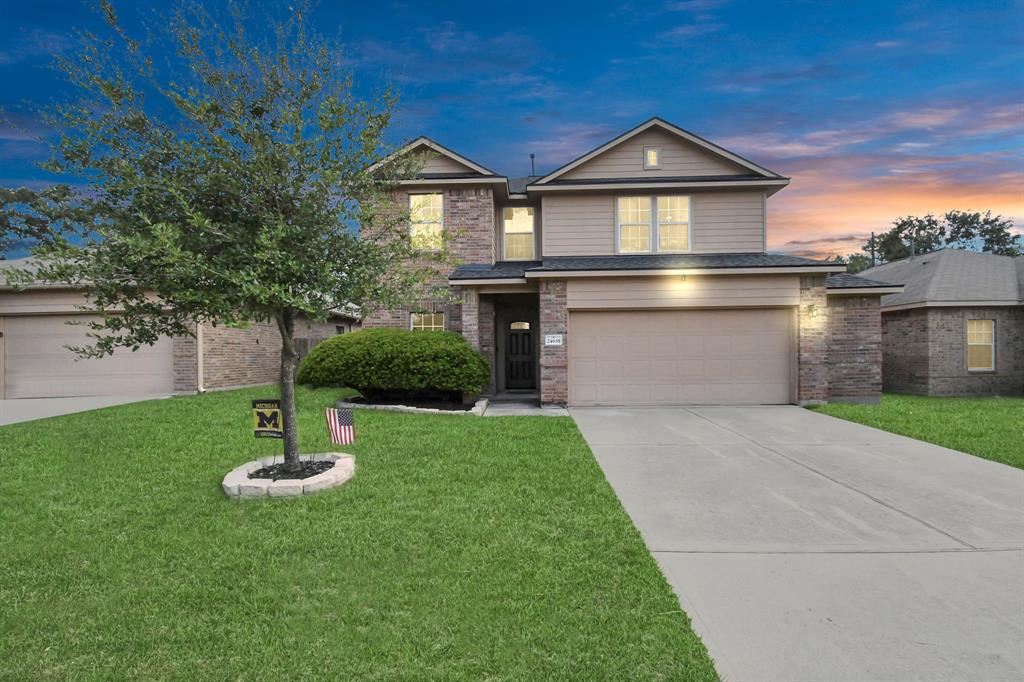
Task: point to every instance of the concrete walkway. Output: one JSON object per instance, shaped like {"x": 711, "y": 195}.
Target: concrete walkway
{"x": 809, "y": 548}
{"x": 28, "y": 409}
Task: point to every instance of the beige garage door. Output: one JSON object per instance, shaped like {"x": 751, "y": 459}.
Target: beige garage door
{"x": 680, "y": 357}
{"x": 36, "y": 365}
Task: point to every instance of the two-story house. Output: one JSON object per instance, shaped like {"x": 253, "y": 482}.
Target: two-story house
{"x": 638, "y": 274}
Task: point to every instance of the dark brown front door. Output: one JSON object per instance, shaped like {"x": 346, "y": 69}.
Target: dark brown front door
{"x": 519, "y": 356}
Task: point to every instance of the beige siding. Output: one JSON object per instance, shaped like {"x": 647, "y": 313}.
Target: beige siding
{"x": 436, "y": 163}
{"x": 680, "y": 357}
{"x": 40, "y": 301}
{"x": 584, "y": 224}
{"x": 728, "y": 222}
{"x": 678, "y": 158}
{"x": 597, "y": 293}
{"x": 579, "y": 225}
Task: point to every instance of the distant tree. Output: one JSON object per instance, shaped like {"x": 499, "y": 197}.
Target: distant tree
{"x": 858, "y": 262}
{"x": 967, "y": 230}
{"x": 223, "y": 189}
{"x": 956, "y": 229}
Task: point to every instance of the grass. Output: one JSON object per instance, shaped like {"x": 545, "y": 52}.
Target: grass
{"x": 483, "y": 549}
{"x": 985, "y": 427}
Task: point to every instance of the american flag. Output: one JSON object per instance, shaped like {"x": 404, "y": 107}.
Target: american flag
{"x": 341, "y": 426}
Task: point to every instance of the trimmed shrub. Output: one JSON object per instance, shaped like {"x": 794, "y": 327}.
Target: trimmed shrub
{"x": 376, "y": 362}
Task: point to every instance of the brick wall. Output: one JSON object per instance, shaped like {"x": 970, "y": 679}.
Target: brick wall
{"x": 854, "y": 348}
{"x": 469, "y": 228}
{"x": 947, "y": 352}
{"x": 554, "y": 360}
{"x": 905, "y": 351}
{"x": 240, "y": 356}
{"x": 812, "y": 341}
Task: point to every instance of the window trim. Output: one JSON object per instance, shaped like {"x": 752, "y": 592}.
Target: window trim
{"x": 618, "y": 225}
{"x": 656, "y": 166}
{"x": 413, "y": 223}
{"x": 967, "y": 345}
{"x": 504, "y": 235}
{"x": 414, "y": 313}
{"x": 653, "y": 226}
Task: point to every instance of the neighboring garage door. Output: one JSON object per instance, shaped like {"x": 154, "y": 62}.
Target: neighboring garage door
{"x": 680, "y": 357}
{"x": 36, "y": 364}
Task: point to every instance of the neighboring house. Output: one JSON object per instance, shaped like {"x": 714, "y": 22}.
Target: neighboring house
{"x": 958, "y": 326}
{"x": 34, "y": 362}
{"x": 638, "y": 275}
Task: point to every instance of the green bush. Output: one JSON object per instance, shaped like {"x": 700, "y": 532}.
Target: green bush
{"x": 388, "y": 361}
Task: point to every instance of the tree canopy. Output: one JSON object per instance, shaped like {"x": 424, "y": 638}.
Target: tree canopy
{"x": 224, "y": 185}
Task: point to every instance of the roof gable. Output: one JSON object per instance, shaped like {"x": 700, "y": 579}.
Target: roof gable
{"x": 683, "y": 154}
{"x": 438, "y": 160}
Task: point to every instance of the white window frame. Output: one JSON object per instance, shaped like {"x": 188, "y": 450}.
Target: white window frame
{"x": 618, "y": 225}
{"x": 652, "y": 230}
{"x": 422, "y": 328}
{"x": 504, "y": 235}
{"x": 647, "y": 164}
{"x": 413, "y": 222}
{"x": 991, "y": 345}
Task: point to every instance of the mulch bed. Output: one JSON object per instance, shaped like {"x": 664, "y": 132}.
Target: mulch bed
{"x": 278, "y": 472}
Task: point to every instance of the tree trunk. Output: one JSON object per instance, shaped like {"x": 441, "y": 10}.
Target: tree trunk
{"x": 289, "y": 365}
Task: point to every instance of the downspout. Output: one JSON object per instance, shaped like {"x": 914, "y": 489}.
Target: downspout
{"x": 199, "y": 358}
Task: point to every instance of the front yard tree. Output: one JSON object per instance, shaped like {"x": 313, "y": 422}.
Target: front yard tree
{"x": 220, "y": 185}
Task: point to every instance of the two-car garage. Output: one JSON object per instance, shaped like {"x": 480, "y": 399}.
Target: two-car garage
{"x": 34, "y": 362}
{"x": 679, "y": 357}
{"x": 682, "y": 340}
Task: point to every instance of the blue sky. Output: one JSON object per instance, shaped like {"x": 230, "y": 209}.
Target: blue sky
{"x": 875, "y": 109}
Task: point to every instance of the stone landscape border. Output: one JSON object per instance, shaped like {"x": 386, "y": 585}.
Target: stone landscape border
{"x": 476, "y": 411}
{"x": 237, "y": 483}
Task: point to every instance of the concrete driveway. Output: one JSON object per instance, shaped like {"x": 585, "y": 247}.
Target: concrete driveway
{"x": 28, "y": 409}
{"x": 809, "y": 548}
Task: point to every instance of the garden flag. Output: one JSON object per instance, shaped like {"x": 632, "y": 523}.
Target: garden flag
{"x": 341, "y": 426}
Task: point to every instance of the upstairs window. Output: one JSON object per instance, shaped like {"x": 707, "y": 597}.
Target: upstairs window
{"x": 652, "y": 158}
{"x": 673, "y": 224}
{"x": 653, "y": 224}
{"x": 634, "y": 224}
{"x": 981, "y": 345}
{"x": 518, "y": 229}
{"x": 426, "y": 216}
{"x": 426, "y": 322}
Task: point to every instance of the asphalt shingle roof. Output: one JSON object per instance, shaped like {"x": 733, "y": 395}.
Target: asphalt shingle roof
{"x": 953, "y": 275}
{"x": 844, "y": 280}
{"x": 677, "y": 178}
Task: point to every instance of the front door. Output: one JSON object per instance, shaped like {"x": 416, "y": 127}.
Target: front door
{"x": 519, "y": 356}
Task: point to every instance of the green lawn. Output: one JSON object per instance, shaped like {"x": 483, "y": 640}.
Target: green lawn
{"x": 464, "y": 548}
{"x": 986, "y": 427}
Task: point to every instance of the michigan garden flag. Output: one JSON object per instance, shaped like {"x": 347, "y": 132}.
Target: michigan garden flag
{"x": 341, "y": 426}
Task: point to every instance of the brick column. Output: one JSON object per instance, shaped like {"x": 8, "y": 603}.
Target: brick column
{"x": 854, "y": 349}
{"x": 485, "y": 325}
{"x": 812, "y": 342}
{"x": 554, "y": 360}
{"x": 471, "y": 316}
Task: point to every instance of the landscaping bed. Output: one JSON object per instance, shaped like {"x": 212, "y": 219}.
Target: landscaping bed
{"x": 986, "y": 427}
{"x": 464, "y": 549}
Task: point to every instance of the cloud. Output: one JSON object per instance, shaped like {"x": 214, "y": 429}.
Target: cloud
{"x": 34, "y": 44}
{"x": 562, "y": 143}
{"x": 888, "y": 44}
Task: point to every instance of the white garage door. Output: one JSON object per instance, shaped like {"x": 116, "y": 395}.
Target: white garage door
{"x": 36, "y": 364}
{"x": 680, "y": 357}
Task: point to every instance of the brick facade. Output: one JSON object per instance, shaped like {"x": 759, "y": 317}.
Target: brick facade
{"x": 469, "y": 228}
{"x": 924, "y": 351}
{"x": 240, "y": 356}
{"x": 554, "y": 360}
{"x": 854, "y": 348}
{"x": 812, "y": 341}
